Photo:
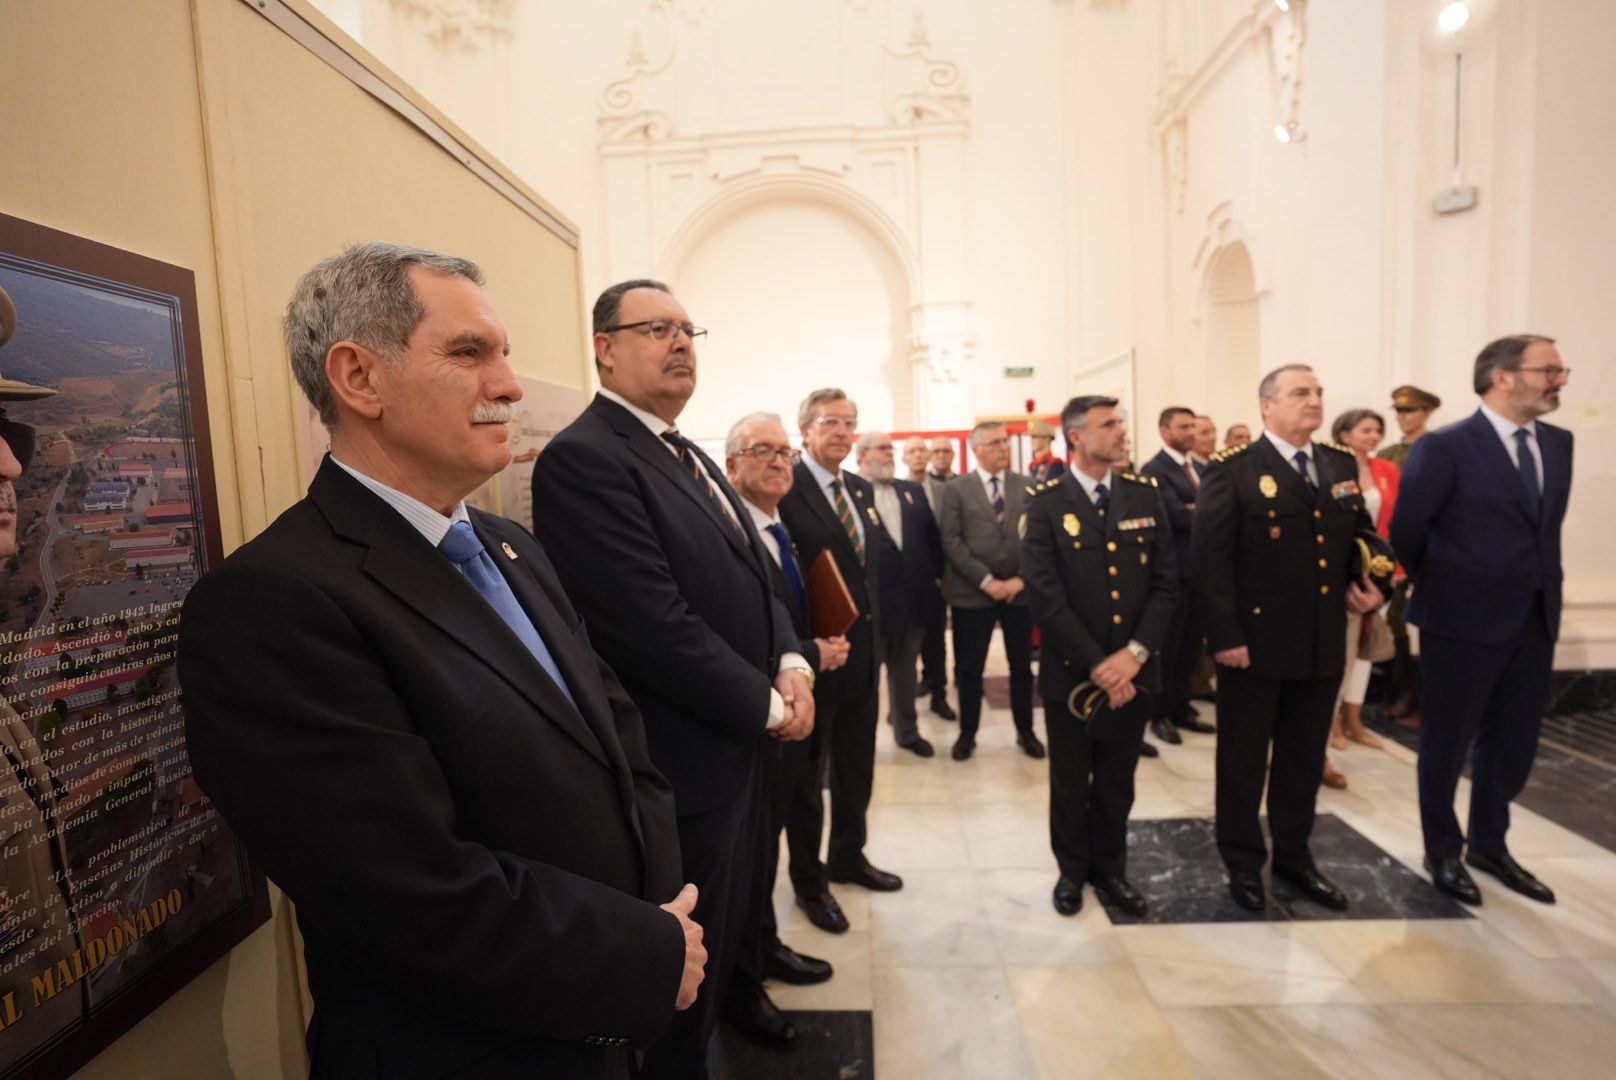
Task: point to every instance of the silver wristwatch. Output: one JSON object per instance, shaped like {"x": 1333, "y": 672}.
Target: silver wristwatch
{"x": 1138, "y": 651}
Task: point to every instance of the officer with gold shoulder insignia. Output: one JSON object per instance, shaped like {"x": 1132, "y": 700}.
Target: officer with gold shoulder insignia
{"x": 1273, "y": 538}
{"x": 1097, "y": 557}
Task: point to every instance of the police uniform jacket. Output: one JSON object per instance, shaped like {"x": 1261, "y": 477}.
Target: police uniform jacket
{"x": 1094, "y": 583}
{"x": 1272, "y": 557}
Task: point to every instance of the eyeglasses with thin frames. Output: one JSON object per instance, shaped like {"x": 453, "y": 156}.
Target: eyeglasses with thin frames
{"x": 1553, "y": 374}
{"x": 659, "y": 329}
{"x": 762, "y": 454}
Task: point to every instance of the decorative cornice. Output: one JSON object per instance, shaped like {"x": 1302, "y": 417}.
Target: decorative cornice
{"x": 941, "y": 96}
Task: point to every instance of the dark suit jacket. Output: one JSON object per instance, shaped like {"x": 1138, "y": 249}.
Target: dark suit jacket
{"x": 974, "y": 544}
{"x": 910, "y": 576}
{"x": 1180, "y": 496}
{"x": 1463, "y": 532}
{"x": 1272, "y": 557}
{"x": 677, "y": 599}
{"x": 475, "y": 862}
{"x": 814, "y": 528}
{"x": 1094, "y": 583}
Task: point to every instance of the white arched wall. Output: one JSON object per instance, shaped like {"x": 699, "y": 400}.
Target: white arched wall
{"x": 796, "y": 294}
{"x": 1232, "y": 335}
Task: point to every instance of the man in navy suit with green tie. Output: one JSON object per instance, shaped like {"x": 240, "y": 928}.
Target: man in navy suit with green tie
{"x": 1477, "y": 527}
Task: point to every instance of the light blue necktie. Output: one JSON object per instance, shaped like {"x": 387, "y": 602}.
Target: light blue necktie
{"x": 462, "y": 547}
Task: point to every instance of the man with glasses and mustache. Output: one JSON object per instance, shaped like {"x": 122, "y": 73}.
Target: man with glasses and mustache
{"x": 36, "y": 911}
{"x": 668, "y": 570}
{"x": 1477, "y": 527}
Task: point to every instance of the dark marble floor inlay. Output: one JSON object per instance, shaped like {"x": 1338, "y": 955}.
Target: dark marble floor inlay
{"x": 1174, "y": 862}
{"x": 834, "y": 1045}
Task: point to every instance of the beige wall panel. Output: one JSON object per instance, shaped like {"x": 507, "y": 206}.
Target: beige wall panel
{"x": 304, "y": 161}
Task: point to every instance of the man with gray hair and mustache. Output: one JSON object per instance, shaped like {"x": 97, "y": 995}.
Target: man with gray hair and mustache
{"x": 394, "y": 704}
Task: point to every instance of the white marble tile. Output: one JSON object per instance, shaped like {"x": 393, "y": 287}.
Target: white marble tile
{"x": 1436, "y": 961}
{"x": 947, "y": 1024}
{"x": 1026, "y": 929}
{"x": 1234, "y": 964}
{"x": 901, "y": 779}
{"x": 1298, "y": 1042}
{"x": 1512, "y": 1042}
{"x": 1094, "y": 1021}
{"x": 1008, "y": 836}
{"x": 915, "y": 836}
{"x": 1581, "y": 923}
{"x": 1007, "y": 776}
{"x": 935, "y": 920}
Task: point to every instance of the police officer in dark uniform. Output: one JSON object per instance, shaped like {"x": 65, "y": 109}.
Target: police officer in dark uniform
{"x": 1273, "y": 539}
{"x": 1097, "y": 557}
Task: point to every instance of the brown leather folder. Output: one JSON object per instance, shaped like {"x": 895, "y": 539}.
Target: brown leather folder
{"x": 833, "y": 607}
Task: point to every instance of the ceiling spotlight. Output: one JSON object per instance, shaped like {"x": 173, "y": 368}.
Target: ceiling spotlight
{"x": 1282, "y": 133}
{"x": 1453, "y": 17}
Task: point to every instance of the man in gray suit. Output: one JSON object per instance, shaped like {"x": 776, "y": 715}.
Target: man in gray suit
{"x": 982, "y": 584}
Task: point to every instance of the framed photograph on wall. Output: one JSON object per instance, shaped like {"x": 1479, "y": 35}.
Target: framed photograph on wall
{"x": 119, "y": 882}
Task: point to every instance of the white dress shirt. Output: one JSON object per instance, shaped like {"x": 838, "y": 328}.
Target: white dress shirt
{"x": 1090, "y": 484}
{"x": 427, "y": 521}
{"x": 1181, "y": 460}
{"x": 1506, "y": 434}
{"x": 1288, "y": 452}
{"x": 659, "y": 427}
{"x": 887, "y": 504}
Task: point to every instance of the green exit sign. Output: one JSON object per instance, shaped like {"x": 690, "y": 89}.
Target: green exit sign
{"x": 1018, "y": 372}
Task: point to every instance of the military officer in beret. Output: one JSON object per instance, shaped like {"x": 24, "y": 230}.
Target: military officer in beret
{"x": 38, "y": 926}
{"x": 1413, "y": 407}
{"x": 1097, "y": 557}
{"x": 1273, "y": 539}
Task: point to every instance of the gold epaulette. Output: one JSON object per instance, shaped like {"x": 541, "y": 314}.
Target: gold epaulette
{"x": 1336, "y": 446}
{"x": 1048, "y": 485}
{"x": 1151, "y": 480}
{"x": 1230, "y": 451}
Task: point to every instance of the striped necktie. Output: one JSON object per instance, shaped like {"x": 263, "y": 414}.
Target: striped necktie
{"x": 687, "y": 457}
{"x": 998, "y": 500}
{"x": 844, "y": 514}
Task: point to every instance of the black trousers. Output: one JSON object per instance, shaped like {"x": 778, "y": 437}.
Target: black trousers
{"x": 1181, "y": 651}
{"x": 1090, "y": 796}
{"x": 791, "y": 801}
{"x": 719, "y": 847}
{"x": 934, "y": 655}
{"x": 1491, "y": 696}
{"x": 898, "y": 653}
{"x": 1293, "y": 717}
{"x": 973, "y": 632}
{"x": 848, "y": 727}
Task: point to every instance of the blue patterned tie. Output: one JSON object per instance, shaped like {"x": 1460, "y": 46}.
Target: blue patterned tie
{"x": 1102, "y": 499}
{"x": 462, "y": 547}
{"x": 1301, "y": 467}
{"x": 788, "y": 565}
{"x": 1528, "y": 466}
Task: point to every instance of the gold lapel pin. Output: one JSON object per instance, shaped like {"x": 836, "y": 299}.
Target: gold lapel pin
{"x": 510, "y": 552}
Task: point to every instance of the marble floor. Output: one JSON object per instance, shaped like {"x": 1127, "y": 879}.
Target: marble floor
{"x": 969, "y": 973}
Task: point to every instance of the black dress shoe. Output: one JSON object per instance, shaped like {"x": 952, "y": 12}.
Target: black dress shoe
{"x": 920, "y": 747}
{"x": 868, "y": 876}
{"x": 760, "y": 1020}
{"x": 963, "y": 747}
{"x": 1513, "y": 874}
{"x": 1148, "y": 750}
{"x": 1123, "y": 896}
{"x": 787, "y": 965}
{"x": 940, "y": 707}
{"x": 1194, "y": 723}
{"x": 1030, "y": 745}
{"x": 1068, "y": 896}
{"x": 1247, "y": 890}
{"x": 824, "y": 912}
{"x": 1449, "y": 875}
{"x": 1165, "y": 731}
{"x": 1315, "y": 886}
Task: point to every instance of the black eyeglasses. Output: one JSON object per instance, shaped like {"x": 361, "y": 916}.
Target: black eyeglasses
{"x": 764, "y": 453}
{"x": 659, "y": 329}
{"x": 20, "y": 437}
{"x": 1553, "y": 374}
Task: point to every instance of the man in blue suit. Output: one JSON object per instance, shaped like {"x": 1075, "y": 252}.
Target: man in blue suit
{"x": 909, "y": 596}
{"x": 1477, "y": 527}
